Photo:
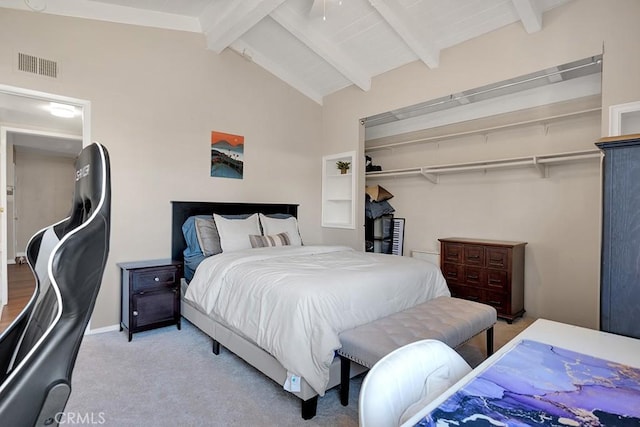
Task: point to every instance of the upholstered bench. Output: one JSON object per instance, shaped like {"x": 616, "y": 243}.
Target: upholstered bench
{"x": 451, "y": 320}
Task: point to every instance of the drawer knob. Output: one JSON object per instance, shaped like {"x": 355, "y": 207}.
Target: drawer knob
{"x": 157, "y": 279}
{"x": 135, "y": 312}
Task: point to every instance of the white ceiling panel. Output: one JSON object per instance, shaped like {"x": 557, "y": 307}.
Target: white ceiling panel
{"x": 318, "y": 46}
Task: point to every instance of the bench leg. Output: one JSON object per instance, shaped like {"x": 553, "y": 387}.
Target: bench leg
{"x": 490, "y": 341}
{"x": 345, "y": 373}
{"x": 309, "y": 408}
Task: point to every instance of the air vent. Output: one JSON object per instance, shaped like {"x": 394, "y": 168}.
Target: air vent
{"x": 47, "y": 68}
{"x": 35, "y": 65}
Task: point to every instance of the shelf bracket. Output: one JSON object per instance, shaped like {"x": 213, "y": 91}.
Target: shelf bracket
{"x": 431, "y": 177}
{"x": 542, "y": 169}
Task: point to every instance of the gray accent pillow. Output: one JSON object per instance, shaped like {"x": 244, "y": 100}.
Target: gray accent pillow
{"x": 280, "y": 239}
{"x": 208, "y": 237}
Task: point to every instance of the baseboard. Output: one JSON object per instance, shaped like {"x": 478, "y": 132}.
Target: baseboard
{"x": 22, "y": 255}
{"x": 102, "y": 330}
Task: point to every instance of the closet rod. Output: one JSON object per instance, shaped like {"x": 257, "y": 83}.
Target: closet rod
{"x": 483, "y": 130}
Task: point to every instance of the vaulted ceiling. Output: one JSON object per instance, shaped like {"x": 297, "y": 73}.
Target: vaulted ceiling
{"x": 317, "y": 46}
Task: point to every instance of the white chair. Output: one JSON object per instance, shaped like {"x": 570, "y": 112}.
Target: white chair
{"x": 406, "y": 379}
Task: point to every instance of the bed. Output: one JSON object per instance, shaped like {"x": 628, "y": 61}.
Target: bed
{"x": 305, "y": 365}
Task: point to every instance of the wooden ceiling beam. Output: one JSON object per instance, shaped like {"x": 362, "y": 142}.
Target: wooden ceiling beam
{"x": 529, "y": 14}
{"x": 413, "y": 33}
{"x": 323, "y": 47}
{"x": 223, "y": 23}
{"x": 250, "y": 53}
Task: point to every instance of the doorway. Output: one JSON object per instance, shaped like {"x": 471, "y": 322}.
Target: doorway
{"x": 28, "y": 112}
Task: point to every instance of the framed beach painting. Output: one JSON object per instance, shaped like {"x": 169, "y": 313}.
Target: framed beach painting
{"x": 227, "y": 155}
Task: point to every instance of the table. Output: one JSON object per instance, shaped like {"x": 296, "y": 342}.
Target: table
{"x": 546, "y": 333}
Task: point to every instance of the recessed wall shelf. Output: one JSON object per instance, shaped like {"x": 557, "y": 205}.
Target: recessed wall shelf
{"x": 339, "y": 191}
{"x": 539, "y": 162}
{"x": 488, "y": 129}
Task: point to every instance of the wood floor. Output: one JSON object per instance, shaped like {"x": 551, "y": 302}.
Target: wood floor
{"x": 21, "y": 285}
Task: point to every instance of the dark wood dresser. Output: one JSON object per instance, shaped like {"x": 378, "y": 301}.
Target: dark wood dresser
{"x": 150, "y": 295}
{"x": 487, "y": 271}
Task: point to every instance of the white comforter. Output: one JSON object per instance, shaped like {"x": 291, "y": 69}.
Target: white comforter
{"x": 293, "y": 301}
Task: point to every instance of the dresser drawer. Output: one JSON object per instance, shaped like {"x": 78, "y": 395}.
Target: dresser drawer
{"x": 453, "y": 273}
{"x": 154, "y": 279}
{"x": 452, "y": 252}
{"x": 497, "y": 258}
{"x": 497, "y": 280}
{"x": 474, "y": 276}
{"x": 474, "y": 255}
{"x": 466, "y": 292}
{"x": 497, "y": 300}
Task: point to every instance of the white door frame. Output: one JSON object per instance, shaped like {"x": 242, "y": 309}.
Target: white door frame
{"x": 86, "y": 140}
{"x": 615, "y": 116}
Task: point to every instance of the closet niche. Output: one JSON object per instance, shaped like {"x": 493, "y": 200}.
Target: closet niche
{"x": 527, "y": 126}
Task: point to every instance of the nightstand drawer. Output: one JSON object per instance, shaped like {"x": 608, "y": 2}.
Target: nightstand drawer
{"x": 154, "y": 308}
{"x": 155, "y": 279}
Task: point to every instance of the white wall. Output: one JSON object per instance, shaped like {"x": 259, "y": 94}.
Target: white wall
{"x": 155, "y": 97}
{"x": 44, "y": 185}
{"x": 559, "y": 216}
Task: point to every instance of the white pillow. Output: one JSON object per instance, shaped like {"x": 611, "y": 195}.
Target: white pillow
{"x": 234, "y": 233}
{"x": 281, "y": 225}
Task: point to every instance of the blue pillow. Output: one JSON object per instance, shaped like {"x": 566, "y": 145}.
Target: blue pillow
{"x": 279, "y": 215}
{"x": 193, "y": 255}
{"x": 190, "y": 236}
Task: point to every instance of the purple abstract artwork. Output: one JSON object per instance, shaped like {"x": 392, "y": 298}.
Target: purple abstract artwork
{"x": 536, "y": 384}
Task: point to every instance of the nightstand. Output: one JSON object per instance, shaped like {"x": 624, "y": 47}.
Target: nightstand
{"x": 150, "y": 295}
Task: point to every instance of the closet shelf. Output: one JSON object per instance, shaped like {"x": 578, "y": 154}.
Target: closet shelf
{"x": 539, "y": 162}
{"x": 544, "y": 121}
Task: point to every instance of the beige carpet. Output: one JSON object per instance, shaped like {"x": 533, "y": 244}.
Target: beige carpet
{"x": 168, "y": 377}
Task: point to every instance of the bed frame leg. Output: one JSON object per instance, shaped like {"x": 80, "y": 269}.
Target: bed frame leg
{"x": 215, "y": 347}
{"x": 490, "y": 341}
{"x": 345, "y": 373}
{"x": 309, "y": 408}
